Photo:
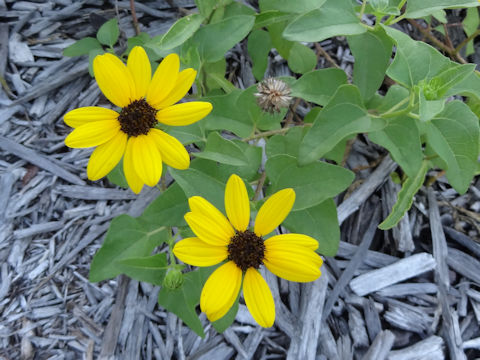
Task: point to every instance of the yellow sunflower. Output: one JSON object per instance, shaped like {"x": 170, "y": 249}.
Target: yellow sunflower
{"x": 289, "y": 256}
{"x": 130, "y": 133}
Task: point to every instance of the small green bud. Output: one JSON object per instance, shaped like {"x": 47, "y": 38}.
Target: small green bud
{"x": 174, "y": 278}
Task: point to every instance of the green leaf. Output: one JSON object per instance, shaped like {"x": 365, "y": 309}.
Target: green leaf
{"x": 285, "y": 144}
{"x": 222, "y": 150}
{"x": 289, "y": 6}
{"x": 334, "y": 18}
{"x": 470, "y": 86}
{"x": 270, "y": 17}
{"x": 181, "y": 31}
{"x": 108, "y": 32}
{"x": 394, "y": 95}
{"x": 82, "y": 47}
{"x": 301, "y": 58}
{"x": 188, "y": 134}
{"x": 454, "y": 136}
{"x": 237, "y": 8}
{"x": 372, "y": 51}
{"x": 214, "y": 40}
{"x": 168, "y": 208}
{"x": 195, "y": 182}
{"x": 402, "y": 139}
{"x": 470, "y": 25}
{"x": 313, "y": 183}
{"x": 259, "y": 45}
{"x": 127, "y": 237}
{"x": 405, "y": 198}
{"x": 150, "y": 269}
{"x": 282, "y": 45}
{"x": 414, "y": 60}
{"x": 421, "y": 8}
{"x": 318, "y": 86}
{"x": 184, "y": 300}
{"x": 205, "y": 7}
{"x": 226, "y": 116}
{"x": 91, "y": 55}
{"x": 117, "y": 177}
{"x": 384, "y": 7}
{"x": 344, "y": 115}
{"x": 447, "y": 79}
{"x": 429, "y": 108}
{"x": 215, "y": 75}
{"x": 319, "y": 222}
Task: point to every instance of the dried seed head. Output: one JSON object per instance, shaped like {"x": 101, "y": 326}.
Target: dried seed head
{"x": 273, "y": 95}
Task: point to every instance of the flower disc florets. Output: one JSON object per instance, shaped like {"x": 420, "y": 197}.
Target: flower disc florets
{"x": 137, "y": 118}
{"x": 246, "y": 250}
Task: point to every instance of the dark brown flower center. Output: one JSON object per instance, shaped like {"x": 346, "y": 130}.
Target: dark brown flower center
{"x": 246, "y": 250}
{"x": 137, "y": 118}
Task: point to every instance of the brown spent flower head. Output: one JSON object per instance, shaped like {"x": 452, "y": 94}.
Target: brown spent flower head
{"x": 273, "y": 95}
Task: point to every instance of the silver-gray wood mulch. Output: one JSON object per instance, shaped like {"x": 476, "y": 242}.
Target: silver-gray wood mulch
{"x": 410, "y": 293}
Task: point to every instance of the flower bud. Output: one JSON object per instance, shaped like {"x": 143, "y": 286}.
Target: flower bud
{"x": 174, "y": 278}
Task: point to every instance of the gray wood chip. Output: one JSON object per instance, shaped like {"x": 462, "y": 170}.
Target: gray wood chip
{"x": 399, "y": 271}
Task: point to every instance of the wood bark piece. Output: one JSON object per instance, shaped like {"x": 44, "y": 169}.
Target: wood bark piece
{"x": 35, "y": 158}
{"x": 381, "y": 346}
{"x": 304, "y": 344}
{"x": 429, "y": 349}
{"x": 354, "y": 263}
{"x": 109, "y": 341}
{"x": 359, "y": 196}
{"x": 399, "y": 271}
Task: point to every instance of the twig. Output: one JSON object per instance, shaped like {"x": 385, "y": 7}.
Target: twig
{"x": 291, "y": 114}
{"x": 449, "y": 50}
{"x": 321, "y": 51}
{"x": 269, "y": 133}
{"x": 260, "y": 183}
{"x": 134, "y": 17}
{"x": 447, "y": 36}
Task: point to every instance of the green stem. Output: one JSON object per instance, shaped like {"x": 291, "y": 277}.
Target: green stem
{"x": 362, "y": 9}
{"x": 394, "y": 21}
{"x": 466, "y": 41}
{"x": 400, "y": 6}
{"x": 171, "y": 256}
{"x": 392, "y": 113}
{"x": 415, "y": 116}
{"x": 396, "y": 106}
{"x": 269, "y": 133}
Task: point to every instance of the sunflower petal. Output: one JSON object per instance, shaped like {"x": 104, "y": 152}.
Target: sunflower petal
{"x": 114, "y": 79}
{"x": 208, "y": 229}
{"x": 184, "y": 83}
{"x": 274, "y": 211}
{"x": 195, "y": 252}
{"x": 258, "y": 298}
{"x": 221, "y": 290}
{"x": 237, "y": 204}
{"x": 106, "y": 156}
{"x": 133, "y": 179}
{"x": 92, "y": 134}
{"x": 148, "y": 161}
{"x": 203, "y": 207}
{"x": 172, "y": 151}
{"x": 184, "y": 114}
{"x": 163, "y": 80}
{"x": 291, "y": 262}
{"x": 88, "y": 114}
{"x": 141, "y": 71}
{"x": 294, "y": 239}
